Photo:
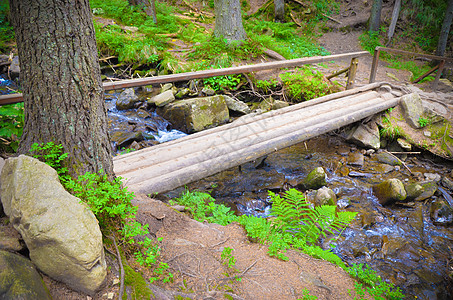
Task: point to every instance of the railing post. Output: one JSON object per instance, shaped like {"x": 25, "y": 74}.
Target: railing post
{"x": 351, "y": 73}
{"x": 439, "y": 73}
{"x": 375, "y": 64}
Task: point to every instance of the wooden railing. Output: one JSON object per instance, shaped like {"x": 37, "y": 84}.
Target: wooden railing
{"x": 15, "y": 98}
{"x": 439, "y": 66}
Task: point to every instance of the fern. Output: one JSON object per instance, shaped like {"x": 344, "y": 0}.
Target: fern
{"x": 297, "y": 225}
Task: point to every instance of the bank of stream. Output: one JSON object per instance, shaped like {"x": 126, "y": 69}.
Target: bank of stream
{"x": 402, "y": 242}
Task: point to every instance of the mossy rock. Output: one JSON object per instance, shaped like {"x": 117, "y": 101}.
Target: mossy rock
{"x": 389, "y": 191}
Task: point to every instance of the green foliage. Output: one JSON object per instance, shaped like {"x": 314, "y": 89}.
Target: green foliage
{"x": 138, "y": 286}
{"x": 11, "y": 126}
{"x": 297, "y": 226}
{"x": 369, "y": 40}
{"x": 282, "y": 38}
{"x": 304, "y": 84}
{"x": 6, "y": 29}
{"x": 389, "y": 131}
{"x": 424, "y": 121}
{"x": 226, "y": 82}
{"x": 111, "y": 203}
{"x": 306, "y": 295}
{"x": 267, "y": 85}
{"x": 203, "y": 207}
{"x": 227, "y": 258}
{"x": 375, "y": 286}
{"x": 416, "y": 69}
{"x": 54, "y": 156}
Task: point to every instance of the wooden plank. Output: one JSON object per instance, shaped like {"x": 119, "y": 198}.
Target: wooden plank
{"x": 212, "y": 166}
{"x": 210, "y": 73}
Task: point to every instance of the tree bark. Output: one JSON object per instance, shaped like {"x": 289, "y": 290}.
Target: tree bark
{"x": 228, "y": 20}
{"x": 149, "y": 6}
{"x": 443, "y": 38}
{"x": 279, "y": 9}
{"x": 61, "y": 82}
{"x": 395, "y": 14}
{"x": 375, "y": 18}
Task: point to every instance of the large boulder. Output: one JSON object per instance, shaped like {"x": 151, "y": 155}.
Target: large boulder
{"x": 19, "y": 279}
{"x": 196, "y": 114}
{"x": 127, "y": 99}
{"x": 366, "y": 135}
{"x": 389, "y": 191}
{"x": 412, "y": 109}
{"x": 62, "y": 234}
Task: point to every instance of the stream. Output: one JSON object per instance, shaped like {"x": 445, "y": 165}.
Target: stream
{"x": 400, "y": 241}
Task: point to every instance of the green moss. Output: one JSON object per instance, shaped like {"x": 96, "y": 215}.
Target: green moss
{"x": 137, "y": 284}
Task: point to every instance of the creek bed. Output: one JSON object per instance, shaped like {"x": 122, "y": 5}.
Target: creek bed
{"x": 400, "y": 242}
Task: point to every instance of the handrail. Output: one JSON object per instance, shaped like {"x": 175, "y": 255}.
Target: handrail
{"x": 378, "y": 50}
{"x": 15, "y": 98}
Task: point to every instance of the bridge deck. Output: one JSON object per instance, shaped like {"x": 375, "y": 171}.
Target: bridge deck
{"x": 169, "y": 165}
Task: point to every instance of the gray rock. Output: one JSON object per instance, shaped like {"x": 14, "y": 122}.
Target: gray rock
{"x": 405, "y": 145}
{"x": 387, "y": 158}
{"x": 61, "y": 233}
{"x": 127, "y": 99}
{"x": 441, "y": 213}
{"x": 429, "y": 189}
{"x": 356, "y": 159}
{"x": 389, "y": 191}
{"x": 447, "y": 183}
{"x": 182, "y": 93}
{"x": 166, "y": 87}
{"x": 366, "y": 135}
{"x": 314, "y": 180}
{"x": 279, "y": 104}
{"x": 236, "y": 105}
{"x": 208, "y": 91}
{"x": 412, "y": 109}
{"x": 325, "y": 196}
{"x": 10, "y": 239}
{"x": 196, "y": 114}
{"x": 432, "y": 177}
{"x": 19, "y": 279}
{"x": 162, "y": 99}
{"x": 14, "y": 67}
{"x": 413, "y": 190}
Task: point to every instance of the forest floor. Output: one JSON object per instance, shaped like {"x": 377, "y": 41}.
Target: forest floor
{"x": 193, "y": 249}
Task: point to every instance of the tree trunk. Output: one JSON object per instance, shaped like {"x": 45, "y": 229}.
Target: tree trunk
{"x": 375, "y": 18}
{"x": 149, "y": 6}
{"x": 443, "y": 38}
{"x": 395, "y": 14}
{"x": 61, "y": 82}
{"x": 279, "y": 9}
{"x": 228, "y": 20}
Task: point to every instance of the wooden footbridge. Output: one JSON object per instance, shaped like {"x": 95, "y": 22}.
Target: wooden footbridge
{"x": 170, "y": 165}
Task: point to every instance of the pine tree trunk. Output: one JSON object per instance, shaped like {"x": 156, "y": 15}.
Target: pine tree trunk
{"x": 375, "y": 18}
{"x": 395, "y": 14}
{"x": 61, "y": 82}
{"x": 228, "y": 20}
{"x": 279, "y": 9}
{"x": 443, "y": 38}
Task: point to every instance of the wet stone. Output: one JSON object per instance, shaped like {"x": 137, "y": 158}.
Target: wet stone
{"x": 432, "y": 177}
{"x": 387, "y": 158}
{"x": 447, "y": 183}
{"x": 389, "y": 191}
{"x": 356, "y": 159}
{"x": 413, "y": 190}
{"x": 429, "y": 188}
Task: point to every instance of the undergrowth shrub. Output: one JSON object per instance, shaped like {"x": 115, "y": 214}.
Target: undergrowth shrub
{"x": 6, "y": 29}
{"x": 305, "y": 83}
{"x": 111, "y": 203}
{"x": 203, "y": 207}
{"x": 11, "y": 126}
